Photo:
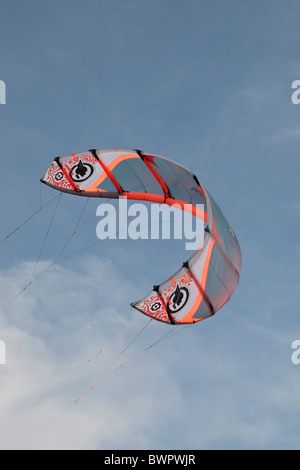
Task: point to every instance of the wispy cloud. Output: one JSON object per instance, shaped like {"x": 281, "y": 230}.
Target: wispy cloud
{"x": 67, "y": 316}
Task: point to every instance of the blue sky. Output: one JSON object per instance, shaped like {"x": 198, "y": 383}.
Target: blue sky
{"x": 208, "y": 85}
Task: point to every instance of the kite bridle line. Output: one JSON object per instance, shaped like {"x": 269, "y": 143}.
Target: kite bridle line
{"x": 148, "y": 345}
{"x": 75, "y": 230}
{"x": 28, "y": 219}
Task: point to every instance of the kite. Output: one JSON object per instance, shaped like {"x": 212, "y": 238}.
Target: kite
{"x": 207, "y": 280}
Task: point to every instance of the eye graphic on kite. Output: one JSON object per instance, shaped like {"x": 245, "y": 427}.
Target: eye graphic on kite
{"x": 178, "y": 299}
{"x": 207, "y": 280}
{"x": 81, "y": 171}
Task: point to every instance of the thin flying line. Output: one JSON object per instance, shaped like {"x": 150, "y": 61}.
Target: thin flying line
{"x": 27, "y": 220}
{"x": 45, "y": 238}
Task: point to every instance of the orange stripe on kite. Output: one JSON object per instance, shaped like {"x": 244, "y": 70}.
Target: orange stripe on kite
{"x": 188, "y": 318}
{"x": 206, "y": 264}
{"x": 108, "y": 170}
{"x": 158, "y": 198}
{"x": 119, "y": 159}
{"x": 186, "y": 206}
{"x": 108, "y": 173}
{"x": 155, "y": 174}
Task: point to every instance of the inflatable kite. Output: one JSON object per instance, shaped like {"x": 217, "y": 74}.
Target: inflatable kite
{"x": 207, "y": 280}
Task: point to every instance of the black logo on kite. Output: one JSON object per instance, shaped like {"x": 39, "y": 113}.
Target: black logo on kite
{"x": 178, "y": 299}
{"x": 156, "y": 306}
{"x": 81, "y": 171}
{"x": 58, "y": 176}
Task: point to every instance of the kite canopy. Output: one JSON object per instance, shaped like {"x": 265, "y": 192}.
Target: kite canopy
{"x": 207, "y": 280}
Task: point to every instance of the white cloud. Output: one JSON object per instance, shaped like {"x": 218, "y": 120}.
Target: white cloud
{"x": 60, "y": 320}
{"x": 200, "y": 389}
